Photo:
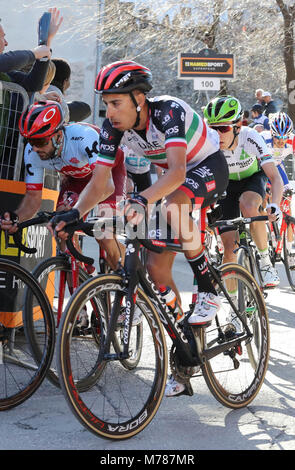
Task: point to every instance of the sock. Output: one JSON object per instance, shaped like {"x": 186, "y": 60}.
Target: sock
{"x": 200, "y": 269}
{"x": 289, "y": 246}
{"x": 264, "y": 258}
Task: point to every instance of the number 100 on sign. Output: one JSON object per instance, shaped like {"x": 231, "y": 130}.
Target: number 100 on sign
{"x": 205, "y": 84}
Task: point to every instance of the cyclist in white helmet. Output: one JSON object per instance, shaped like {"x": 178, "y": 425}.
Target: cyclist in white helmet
{"x": 279, "y": 140}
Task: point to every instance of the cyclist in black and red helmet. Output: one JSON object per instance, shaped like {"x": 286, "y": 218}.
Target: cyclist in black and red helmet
{"x": 168, "y": 132}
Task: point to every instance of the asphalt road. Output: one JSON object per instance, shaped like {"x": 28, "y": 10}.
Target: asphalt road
{"x": 44, "y": 422}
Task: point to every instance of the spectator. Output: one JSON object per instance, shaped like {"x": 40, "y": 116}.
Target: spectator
{"x": 246, "y": 118}
{"x": 11, "y": 62}
{"x": 270, "y": 106}
{"x": 258, "y": 117}
{"x": 77, "y": 110}
{"x": 258, "y": 96}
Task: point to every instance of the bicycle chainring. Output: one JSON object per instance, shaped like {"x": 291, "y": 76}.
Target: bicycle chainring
{"x": 180, "y": 373}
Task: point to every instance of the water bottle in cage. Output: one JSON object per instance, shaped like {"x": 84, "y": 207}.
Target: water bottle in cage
{"x": 172, "y": 303}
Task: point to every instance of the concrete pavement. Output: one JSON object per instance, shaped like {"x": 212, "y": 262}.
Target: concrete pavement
{"x": 184, "y": 423}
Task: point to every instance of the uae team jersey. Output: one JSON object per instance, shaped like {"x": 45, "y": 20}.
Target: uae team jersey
{"x": 171, "y": 123}
{"x": 249, "y": 156}
{"x": 78, "y": 157}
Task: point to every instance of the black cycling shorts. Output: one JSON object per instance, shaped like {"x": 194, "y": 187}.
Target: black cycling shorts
{"x": 230, "y": 205}
{"x": 204, "y": 184}
{"x": 141, "y": 181}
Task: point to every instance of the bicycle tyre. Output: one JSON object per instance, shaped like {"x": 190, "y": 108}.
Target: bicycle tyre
{"x": 235, "y": 377}
{"x": 252, "y": 266}
{"x": 42, "y": 273}
{"x": 20, "y": 374}
{"x": 290, "y": 272}
{"x": 131, "y": 397}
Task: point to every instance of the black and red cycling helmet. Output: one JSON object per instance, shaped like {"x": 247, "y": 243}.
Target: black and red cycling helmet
{"x": 123, "y": 76}
{"x": 41, "y": 119}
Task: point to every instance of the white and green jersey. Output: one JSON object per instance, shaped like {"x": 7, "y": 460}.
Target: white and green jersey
{"x": 249, "y": 156}
{"x": 171, "y": 123}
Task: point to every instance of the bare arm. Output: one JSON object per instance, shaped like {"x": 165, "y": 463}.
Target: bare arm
{"x": 98, "y": 189}
{"x": 272, "y": 173}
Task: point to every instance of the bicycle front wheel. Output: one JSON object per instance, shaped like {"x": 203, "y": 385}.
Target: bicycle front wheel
{"x": 55, "y": 276}
{"x": 20, "y": 373}
{"x": 289, "y": 260}
{"x": 235, "y": 376}
{"x": 122, "y": 402}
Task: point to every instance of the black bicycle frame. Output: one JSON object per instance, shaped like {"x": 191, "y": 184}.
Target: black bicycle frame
{"x": 134, "y": 274}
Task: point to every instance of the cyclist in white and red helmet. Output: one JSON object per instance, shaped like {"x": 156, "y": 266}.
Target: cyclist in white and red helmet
{"x": 72, "y": 151}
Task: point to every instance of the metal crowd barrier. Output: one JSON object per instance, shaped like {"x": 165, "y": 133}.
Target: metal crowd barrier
{"x": 13, "y": 100}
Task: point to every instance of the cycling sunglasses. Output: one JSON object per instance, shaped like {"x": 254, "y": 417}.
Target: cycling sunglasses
{"x": 281, "y": 137}
{"x": 222, "y": 129}
{"x": 42, "y": 142}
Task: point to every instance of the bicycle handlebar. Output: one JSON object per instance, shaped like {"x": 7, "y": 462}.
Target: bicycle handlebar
{"x": 17, "y": 236}
{"x": 240, "y": 221}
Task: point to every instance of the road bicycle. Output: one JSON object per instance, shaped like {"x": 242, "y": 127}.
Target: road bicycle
{"x": 60, "y": 276}
{"x": 248, "y": 255}
{"x": 20, "y": 373}
{"x": 121, "y": 403}
{"x": 278, "y": 239}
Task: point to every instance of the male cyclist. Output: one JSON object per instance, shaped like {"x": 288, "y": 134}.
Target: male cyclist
{"x": 168, "y": 132}
{"x": 279, "y": 140}
{"x": 72, "y": 151}
{"x": 250, "y": 164}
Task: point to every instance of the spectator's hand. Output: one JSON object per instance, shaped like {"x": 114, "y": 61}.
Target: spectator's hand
{"x": 52, "y": 96}
{"x": 54, "y": 24}
{"x": 42, "y": 51}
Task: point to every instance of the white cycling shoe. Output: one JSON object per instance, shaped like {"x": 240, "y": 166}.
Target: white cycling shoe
{"x": 270, "y": 276}
{"x": 174, "y": 388}
{"x": 137, "y": 317}
{"x": 205, "y": 309}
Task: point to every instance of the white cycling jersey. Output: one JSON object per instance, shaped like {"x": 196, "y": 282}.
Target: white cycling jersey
{"x": 172, "y": 122}
{"x": 278, "y": 154}
{"x": 78, "y": 157}
{"x": 249, "y": 156}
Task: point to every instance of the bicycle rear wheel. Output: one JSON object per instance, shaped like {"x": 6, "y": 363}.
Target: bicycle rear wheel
{"x": 54, "y": 275}
{"x": 236, "y": 376}
{"x": 20, "y": 373}
{"x": 122, "y": 402}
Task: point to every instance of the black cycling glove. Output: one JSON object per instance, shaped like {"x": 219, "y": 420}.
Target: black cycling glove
{"x": 140, "y": 200}
{"x": 13, "y": 216}
{"x": 69, "y": 217}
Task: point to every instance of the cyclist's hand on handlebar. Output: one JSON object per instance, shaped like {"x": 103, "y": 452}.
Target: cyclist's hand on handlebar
{"x": 274, "y": 212}
{"x": 9, "y": 222}
{"x": 59, "y": 221}
{"x": 135, "y": 209}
